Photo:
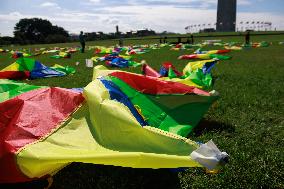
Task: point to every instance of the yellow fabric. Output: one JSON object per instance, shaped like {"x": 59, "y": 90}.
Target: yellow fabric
{"x": 203, "y": 56}
{"x": 103, "y": 131}
{"x": 94, "y": 59}
{"x": 13, "y": 67}
{"x": 212, "y": 52}
{"x": 101, "y": 70}
{"x": 233, "y": 48}
{"x": 185, "y": 81}
{"x": 125, "y": 57}
{"x": 192, "y": 66}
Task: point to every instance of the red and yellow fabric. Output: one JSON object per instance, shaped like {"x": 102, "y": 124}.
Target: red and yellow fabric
{"x": 44, "y": 129}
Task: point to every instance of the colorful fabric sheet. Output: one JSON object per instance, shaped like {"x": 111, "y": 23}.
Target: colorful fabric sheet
{"x": 26, "y": 68}
{"x": 121, "y": 119}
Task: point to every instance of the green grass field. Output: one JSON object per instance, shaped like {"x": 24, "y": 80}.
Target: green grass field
{"x": 247, "y": 122}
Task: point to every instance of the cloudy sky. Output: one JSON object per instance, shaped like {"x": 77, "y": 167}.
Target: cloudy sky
{"x": 159, "y": 15}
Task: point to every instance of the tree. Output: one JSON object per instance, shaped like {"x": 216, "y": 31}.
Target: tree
{"x": 36, "y": 30}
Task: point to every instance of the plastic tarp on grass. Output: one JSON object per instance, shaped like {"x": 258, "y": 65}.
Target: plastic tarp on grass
{"x": 26, "y": 68}
{"x": 43, "y": 129}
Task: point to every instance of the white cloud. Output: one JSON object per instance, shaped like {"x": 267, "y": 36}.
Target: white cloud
{"x": 94, "y": 1}
{"x": 132, "y": 17}
{"x": 243, "y": 2}
{"x": 50, "y": 5}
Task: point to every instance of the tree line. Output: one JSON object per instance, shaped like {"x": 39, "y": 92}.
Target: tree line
{"x": 35, "y": 31}
{"x": 40, "y": 31}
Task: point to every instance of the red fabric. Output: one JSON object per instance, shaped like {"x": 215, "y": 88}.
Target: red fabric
{"x": 132, "y": 52}
{"x": 167, "y": 65}
{"x": 10, "y": 172}
{"x": 178, "y": 45}
{"x": 223, "y": 51}
{"x": 148, "y": 71}
{"x": 151, "y": 85}
{"x": 29, "y": 117}
{"x": 97, "y": 51}
{"x": 190, "y": 56}
{"x": 14, "y": 75}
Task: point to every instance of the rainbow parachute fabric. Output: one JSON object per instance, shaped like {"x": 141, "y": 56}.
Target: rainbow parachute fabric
{"x": 195, "y": 74}
{"x": 120, "y": 119}
{"x": 26, "y": 68}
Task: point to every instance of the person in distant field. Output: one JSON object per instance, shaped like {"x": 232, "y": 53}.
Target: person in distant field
{"x": 247, "y": 38}
{"x": 82, "y": 41}
{"x": 120, "y": 42}
{"x": 165, "y": 39}
{"x": 192, "y": 40}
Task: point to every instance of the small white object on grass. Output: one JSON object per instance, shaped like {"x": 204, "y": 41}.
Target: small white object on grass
{"x": 89, "y": 63}
{"x": 209, "y": 155}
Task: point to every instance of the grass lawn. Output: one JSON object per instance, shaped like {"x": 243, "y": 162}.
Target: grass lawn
{"x": 247, "y": 122}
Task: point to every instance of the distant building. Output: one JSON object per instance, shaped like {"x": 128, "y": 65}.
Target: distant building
{"x": 226, "y": 15}
{"x": 207, "y": 30}
{"x": 140, "y": 33}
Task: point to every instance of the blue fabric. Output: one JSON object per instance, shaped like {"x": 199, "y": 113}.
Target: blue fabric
{"x": 118, "y": 95}
{"x": 79, "y": 90}
{"x": 111, "y": 56}
{"x": 163, "y": 72}
{"x": 41, "y": 71}
{"x": 207, "y": 67}
{"x": 119, "y": 62}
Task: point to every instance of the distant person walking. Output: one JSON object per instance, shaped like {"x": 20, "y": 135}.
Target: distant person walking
{"x": 82, "y": 41}
{"x": 120, "y": 42}
{"x": 247, "y": 38}
{"x": 165, "y": 39}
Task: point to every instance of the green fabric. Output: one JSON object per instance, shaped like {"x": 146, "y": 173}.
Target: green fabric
{"x": 10, "y": 89}
{"x": 55, "y": 56}
{"x": 26, "y": 64}
{"x": 171, "y": 73}
{"x": 220, "y": 57}
{"x": 199, "y": 78}
{"x": 133, "y": 64}
{"x": 67, "y": 70}
{"x": 264, "y": 44}
{"x": 177, "y": 114}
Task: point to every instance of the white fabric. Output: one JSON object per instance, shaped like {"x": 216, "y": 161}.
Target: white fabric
{"x": 208, "y": 155}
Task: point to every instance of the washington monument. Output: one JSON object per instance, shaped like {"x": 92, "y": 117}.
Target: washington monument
{"x": 226, "y": 15}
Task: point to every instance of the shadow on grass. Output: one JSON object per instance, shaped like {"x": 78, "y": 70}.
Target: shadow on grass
{"x": 79, "y": 175}
{"x": 205, "y": 126}
{"x": 89, "y": 176}
{"x": 37, "y": 184}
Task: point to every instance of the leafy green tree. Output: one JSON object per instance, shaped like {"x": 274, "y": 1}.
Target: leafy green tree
{"x": 36, "y": 30}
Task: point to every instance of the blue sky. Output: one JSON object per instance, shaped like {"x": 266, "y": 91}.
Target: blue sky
{"x": 159, "y": 15}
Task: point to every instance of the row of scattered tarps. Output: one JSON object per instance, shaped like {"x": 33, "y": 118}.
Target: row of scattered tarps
{"x": 26, "y": 68}
{"x": 120, "y": 118}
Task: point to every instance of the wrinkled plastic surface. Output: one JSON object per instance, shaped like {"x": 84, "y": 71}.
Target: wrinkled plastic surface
{"x": 26, "y": 68}
{"x": 113, "y": 127}
{"x": 176, "y": 113}
{"x": 10, "y": 89}
{"x": 148, "y": 71}
{"x": 27, "y": 118}
{"x": 104, "y": 131}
